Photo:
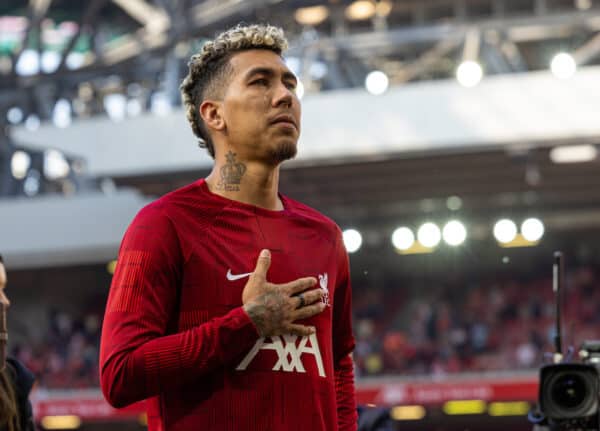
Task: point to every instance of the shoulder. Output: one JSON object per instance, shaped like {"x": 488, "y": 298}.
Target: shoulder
{"x": 170, "y": 203}
{"x": 152, "y": 226}
{"x": 23, "y": 378}
{"x": 190, "y": 201}
{"x": 312, "y": 216}
{"x": 23, "y": 381}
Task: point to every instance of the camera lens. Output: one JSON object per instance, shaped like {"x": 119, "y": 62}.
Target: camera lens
{"x": 569, "y": 391}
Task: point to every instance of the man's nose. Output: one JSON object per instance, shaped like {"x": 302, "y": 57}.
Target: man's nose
{"x": 283, "y": 95}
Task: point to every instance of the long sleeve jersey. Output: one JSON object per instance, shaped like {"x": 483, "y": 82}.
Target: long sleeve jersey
{"x": 175, "y": 332}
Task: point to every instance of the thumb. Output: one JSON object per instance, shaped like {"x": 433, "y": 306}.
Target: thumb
{"x": 263, "y": 263}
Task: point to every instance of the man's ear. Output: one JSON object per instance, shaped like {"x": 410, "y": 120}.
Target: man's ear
{"x": 210, "y": 112}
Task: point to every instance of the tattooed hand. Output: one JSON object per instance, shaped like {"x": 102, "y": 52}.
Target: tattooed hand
{"x": 275, "y": 307}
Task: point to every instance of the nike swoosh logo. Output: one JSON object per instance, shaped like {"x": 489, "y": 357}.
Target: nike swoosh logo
{"x": 233, "y": 277}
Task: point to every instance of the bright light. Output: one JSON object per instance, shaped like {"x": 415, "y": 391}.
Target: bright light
{"x": 55, "y": 165}
{"x": 182, "y": 49}
{"x": 583, "y": 4}
{"x": 573, "y": 153}
{"x": 75, "y": 60}
{"x": 407, "y": 413}
{"x": 317, "y": 70}
{"x": 429, "y": 235}
{"x": 31, "y": 186}
{"x": 469, "y": 73}
{"x": 134, "y": 107}
{"x": 464, "y": 407}
{"x": 294, "y": 64}
{"x": 61, "y": 422}
{"x": 403, "y": 238}
{"x": 360, "y": 9}
{"x": 532, "y": 229}
{"x": 19, "y": 164}
{"x": 32, "y": 122}
{"x": 312, "y": 15}
{"x": 108, "y": 186}
{"x": 352, "y": 240}
{"x": 28, "y": 63}
{"x": 61, "y": 115}
{"x": 563, "y": 65}
{"x": 300, "y": 90}
{"x": 510, "y": 408}
{"x": 111, "y": 266}
{"x": 454, "y": 233}
{"x": 377, "y": 82}
{"x": 14, "y": 115}
{"x": 160, "y": 104}
{"x": 50, "y": 61}
{"x": 454, "y": 203}
{"x": 115, "y": 105}
{"x": 505, "y": 230}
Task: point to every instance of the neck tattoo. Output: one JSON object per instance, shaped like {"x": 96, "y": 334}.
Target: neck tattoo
{"x": 231, "y": 174}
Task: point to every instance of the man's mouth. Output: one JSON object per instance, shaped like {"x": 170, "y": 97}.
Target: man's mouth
{"x": 285, "y": 120}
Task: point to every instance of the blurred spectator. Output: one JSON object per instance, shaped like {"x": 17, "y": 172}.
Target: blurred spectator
{"x": 483, "y": 326}
{"x": 67, "y": 356}
{"x": 488, "y": 326}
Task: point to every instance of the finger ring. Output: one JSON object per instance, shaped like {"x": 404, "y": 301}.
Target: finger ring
{"x": 302, "y": 303}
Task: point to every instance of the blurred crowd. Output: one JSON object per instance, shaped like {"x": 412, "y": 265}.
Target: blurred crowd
{"x": 482, "y": 326}
{"x": 65, "y": 354}
{"x": 433, "y": 330}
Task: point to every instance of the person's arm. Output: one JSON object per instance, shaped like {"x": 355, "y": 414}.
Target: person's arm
{"x": 345, "y": 394}
{"x": 137, "y": 359}
{"x": 24, "y": 381}
{"x": 343, "y": 342}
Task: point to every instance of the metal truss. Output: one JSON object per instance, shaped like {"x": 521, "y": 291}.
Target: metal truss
{"x": 416, "y": 40}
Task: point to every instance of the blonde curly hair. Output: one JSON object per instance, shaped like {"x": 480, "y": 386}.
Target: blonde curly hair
{"x": 210, "y": 68}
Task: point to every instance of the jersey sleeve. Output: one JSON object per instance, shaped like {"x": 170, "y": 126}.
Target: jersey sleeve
{"x": 140, "y": 356}
{"x": 343, "y": 342}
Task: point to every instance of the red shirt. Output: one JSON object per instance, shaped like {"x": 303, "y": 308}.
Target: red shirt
{"x": 175, "y": 332}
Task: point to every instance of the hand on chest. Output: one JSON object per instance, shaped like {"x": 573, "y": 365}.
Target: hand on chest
{"x": 224, "y": 259}
{"x": 285, "y": 267}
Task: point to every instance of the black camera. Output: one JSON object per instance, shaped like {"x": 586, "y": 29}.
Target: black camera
{"x": 569, "y": 392}
{"x": 569, "y": 396}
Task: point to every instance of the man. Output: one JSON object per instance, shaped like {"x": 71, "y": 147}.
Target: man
{"x": 230, "y": 308}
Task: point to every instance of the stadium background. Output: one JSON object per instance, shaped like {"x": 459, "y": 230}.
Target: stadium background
{"x": 479, "y": 110}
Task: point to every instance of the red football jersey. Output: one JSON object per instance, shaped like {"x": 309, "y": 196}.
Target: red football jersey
{"x": 175, "y": 332}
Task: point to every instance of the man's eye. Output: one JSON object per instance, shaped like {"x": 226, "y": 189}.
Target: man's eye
{"x": 261, "y": 81}
{"x": 291, "y": 85}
